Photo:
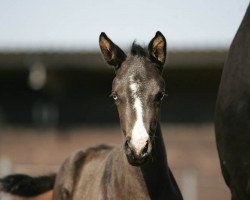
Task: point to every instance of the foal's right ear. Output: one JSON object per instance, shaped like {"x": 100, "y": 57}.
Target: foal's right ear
{"x": 111, "y": 52}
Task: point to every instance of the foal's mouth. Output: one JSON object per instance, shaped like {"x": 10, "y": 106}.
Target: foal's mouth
{"x": 138, "y": 160}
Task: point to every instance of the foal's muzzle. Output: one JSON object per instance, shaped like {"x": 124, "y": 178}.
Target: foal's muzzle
{"x": 135, "y": 158}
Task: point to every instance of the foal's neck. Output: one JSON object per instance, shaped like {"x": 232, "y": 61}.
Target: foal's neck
{"x": 158, "y": 178}
{"x": 156, "y": 171}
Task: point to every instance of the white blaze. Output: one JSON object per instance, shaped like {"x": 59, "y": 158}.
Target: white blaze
{"x": 139, "y": 134}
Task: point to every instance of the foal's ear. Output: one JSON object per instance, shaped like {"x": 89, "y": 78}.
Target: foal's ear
{"x": 157, "y": 48}
{"x": 111, "y": 52}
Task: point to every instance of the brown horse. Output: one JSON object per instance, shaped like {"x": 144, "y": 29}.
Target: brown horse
{"x": 138, "y": 168}
{"x": 232, "y": 118}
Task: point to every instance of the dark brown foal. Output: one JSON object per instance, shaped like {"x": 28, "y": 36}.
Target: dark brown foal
{"x": 138, "y": 168}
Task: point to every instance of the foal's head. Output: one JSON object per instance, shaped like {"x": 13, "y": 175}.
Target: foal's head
{"x": 137, "y": 90}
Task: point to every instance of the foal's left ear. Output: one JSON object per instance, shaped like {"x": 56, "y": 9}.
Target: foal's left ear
{"x": 111, "y": 52}
{"x": 157, "y": 49}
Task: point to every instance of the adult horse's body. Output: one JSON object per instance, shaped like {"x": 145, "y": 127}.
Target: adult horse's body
{"x": 138, "y": 168}
{"x": 232, "y": 118}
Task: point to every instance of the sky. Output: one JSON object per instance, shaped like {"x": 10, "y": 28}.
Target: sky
{"x": 77, "y": 24}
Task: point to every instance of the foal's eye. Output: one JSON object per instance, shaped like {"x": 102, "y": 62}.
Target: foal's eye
{"x": 160, "y": 96}
{"x": 114, "y": 96}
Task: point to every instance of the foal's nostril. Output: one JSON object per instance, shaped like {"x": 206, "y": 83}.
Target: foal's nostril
{"x": 127, "y": 147}
{"x": 145, "y": 150}
{"x": 126, "y": 144}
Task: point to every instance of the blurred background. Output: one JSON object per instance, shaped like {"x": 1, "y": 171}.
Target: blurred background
{"x": 54, "y": 84}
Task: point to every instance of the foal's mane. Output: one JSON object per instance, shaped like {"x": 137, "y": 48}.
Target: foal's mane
{"x": 138, "y": 50}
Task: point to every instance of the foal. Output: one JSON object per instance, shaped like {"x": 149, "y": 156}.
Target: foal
{"x": 138, "y": 168}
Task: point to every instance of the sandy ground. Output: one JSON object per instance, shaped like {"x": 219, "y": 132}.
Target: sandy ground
{"x": 191, "y": 151}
